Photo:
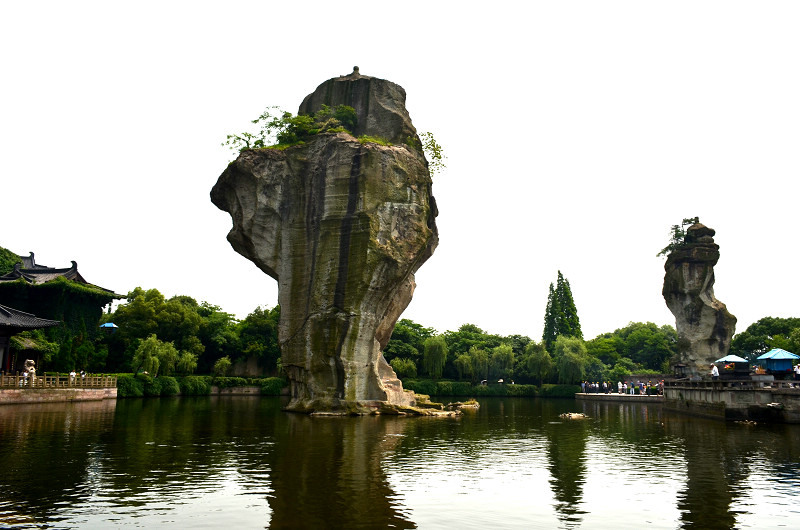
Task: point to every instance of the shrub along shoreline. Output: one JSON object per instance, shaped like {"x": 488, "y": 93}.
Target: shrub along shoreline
{"x": 466, "y": 389}
{"x": 130, "y": 386}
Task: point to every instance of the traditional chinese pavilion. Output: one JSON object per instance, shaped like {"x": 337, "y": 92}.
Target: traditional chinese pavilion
{"x": 59, "y": 294}
{"x": 11, "y": 323}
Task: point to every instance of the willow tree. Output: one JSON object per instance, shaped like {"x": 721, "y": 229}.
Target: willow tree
{"x": 561, "y": 315}
{"x": 434, "y": 356}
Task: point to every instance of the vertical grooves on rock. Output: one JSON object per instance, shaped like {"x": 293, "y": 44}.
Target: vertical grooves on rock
{"x": 314, "y": 211}
{"x": 346, "y": 231}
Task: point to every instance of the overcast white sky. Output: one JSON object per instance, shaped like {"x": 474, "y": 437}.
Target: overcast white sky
{"x": 576, "y": 134}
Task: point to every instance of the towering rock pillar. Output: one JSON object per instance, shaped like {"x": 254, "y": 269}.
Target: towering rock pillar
{"x": 704, "y": 325}
{"x": 342, "y": 225}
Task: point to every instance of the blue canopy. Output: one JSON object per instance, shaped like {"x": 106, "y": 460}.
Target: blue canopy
{"x": 777, "y": 353}
{"x": 109, "y": 325}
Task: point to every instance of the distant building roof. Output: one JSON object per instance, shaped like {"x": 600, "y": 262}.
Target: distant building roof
{"x": 13, "y": 320}
{"x": 39, "y": 274}
{"x": 29, "y": 263}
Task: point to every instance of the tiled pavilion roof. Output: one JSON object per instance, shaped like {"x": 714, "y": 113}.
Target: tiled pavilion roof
{"x": 39, "y": 274}
{"x": 16, "y": 321}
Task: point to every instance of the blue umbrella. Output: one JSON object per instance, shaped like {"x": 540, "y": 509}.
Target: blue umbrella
{"x": 109, "y": 325}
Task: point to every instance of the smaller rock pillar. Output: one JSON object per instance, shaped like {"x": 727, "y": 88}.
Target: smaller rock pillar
{"x": 704, "y": 325}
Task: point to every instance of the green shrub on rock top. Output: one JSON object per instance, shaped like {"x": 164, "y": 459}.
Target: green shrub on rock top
{"x": 287, "y": 129}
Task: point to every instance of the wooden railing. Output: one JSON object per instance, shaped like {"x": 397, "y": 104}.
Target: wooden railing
{"x": 58, "y": 381}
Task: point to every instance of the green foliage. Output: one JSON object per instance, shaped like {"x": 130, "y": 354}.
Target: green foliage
{"x": 7, "y": 261}
{"x": 202, "y": 333}
{"x": 433, "y": 153}
{"x": 404, "y": 368}
{"x": 153, "y": 354}
{"x": 765, "y": 334}
{"x": 465, "y": 389}
{"x": 34, "y": 340}
{"x": 187, "y": 363}
{"x": 501, "y": 363}
{"x": 222, "y": 367}
{"x": 434, "y": 356}
{"x": 423, "y": 386}
{"x": 272, "y": 386}
{"x": 129, "y": 386}
{"x": 258, "y": 335}
{"x": 643, "y": 344}
{"x": 169, "y": 386}
{"x": 195, "y": 385}
{"x": 505, "y": 390}
{"x": 284, "y": 128}
{"x": 407, "y": 340}
{"x": 539, "y": 362}
{"x": 561, "y": 315}
{"x": 571, "y": 359}
{"x": 469, "y": 335}
{"x": 463, "y": 365}
{"x": 230, "y": 382}
{"x": 479, "y": 360}
{"x": 152, "y": 386}
{"x": 559, "y": 391}
{"x": 620, "y": 371}
{"x": 364, "y": 139}
{"x": 678, "y": 235}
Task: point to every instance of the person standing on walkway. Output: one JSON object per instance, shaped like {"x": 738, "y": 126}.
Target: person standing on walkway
{"x": 714, "y": 372}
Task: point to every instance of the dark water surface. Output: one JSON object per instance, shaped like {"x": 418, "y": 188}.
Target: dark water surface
{"x": 239, "y": 462}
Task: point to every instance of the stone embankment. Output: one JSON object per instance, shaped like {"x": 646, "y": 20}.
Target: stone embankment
{"x": 627, "y": 398}
{"x": 776, "y": 402}
{"x": 10, "y": 396}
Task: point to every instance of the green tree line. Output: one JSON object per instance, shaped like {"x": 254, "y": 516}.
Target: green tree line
{"x": 474, "y": 355}
{"x": 163, "y": 336}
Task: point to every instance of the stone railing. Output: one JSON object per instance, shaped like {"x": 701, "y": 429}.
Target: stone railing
{"x": 734, "y": 385}
{"x": 56, "y": 381}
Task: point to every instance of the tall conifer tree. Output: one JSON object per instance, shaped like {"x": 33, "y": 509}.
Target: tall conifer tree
{"x": 561, "y": 315}
{"x": 551, "y": 318}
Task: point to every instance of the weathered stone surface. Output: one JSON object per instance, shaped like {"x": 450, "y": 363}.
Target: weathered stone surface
{"x": 342, "y": 226}
{"x": 704, "y": 325}
{"x": 380, "y": 106}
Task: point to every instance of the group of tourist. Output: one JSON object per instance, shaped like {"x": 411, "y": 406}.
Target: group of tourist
{"x": 73, "y": 376}
{"x": 622, "y": 387}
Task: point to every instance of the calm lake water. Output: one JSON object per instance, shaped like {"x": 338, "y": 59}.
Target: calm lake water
{"x": 239, "y": 462}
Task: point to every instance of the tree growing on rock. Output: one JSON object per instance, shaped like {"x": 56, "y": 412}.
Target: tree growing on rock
{"x": 678, "y": 235}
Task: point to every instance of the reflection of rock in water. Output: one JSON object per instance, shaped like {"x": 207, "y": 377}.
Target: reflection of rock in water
{"x": 330, "y": 470}
{"x": 566, "y": 450}
{"x": 714, "y": 463}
